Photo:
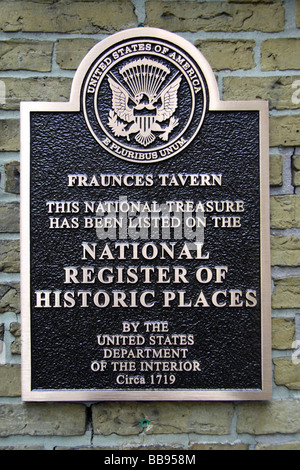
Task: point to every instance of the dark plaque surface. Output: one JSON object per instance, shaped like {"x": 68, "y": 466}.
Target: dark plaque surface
{"x": 145, "y": 252}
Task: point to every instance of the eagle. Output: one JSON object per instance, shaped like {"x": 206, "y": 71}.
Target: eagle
{"x": 144, "y": 107}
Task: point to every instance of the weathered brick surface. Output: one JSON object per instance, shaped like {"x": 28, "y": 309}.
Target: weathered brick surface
{"x": 215, "y": 16}
{"x": 276, "y": 167}
{"x": 164, "y": 418}
{"x": 297, "y": 6}
{"x": 12, "y": 177}
{"x": 219, "y": 447}
{"x": 269, "y": 418}
{"x": 284, "y": 130}
{"x": 101, "y": 448}
{"x": 35, "y": 89}
{"x": 283, "y": 333}
{"x": 42, "y": 419}
{"x": 16, "y": 447}
{"x": 10, "y": 256}
{"x": 286, "y": 293}
{"x": 232, "y": 55}
{"x": 86, "y": 17}
{"x": 15, "y": 330}
{"x": 287, "y": 373}
{"x": 286, "y": 446}
{"x": 296, "y": 170}
{"x": 26, "y": 55}
{"x": 151, "y": 448}
{"x": 9, "y": 298}
{"x": 9, "y": 135}
{"x": 285, "y": 211}
{"x": 251, "y": 1}
{"x": 285, "y": 251}
{"x": 70, "y": 52}
{"x": 9, "y": 217}
{"x": 10, "y": 380}
{"x": 277, "y": 90}
{"x": 280, "y": 54}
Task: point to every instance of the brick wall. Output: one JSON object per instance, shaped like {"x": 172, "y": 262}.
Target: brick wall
{"x": 254, "y": 48}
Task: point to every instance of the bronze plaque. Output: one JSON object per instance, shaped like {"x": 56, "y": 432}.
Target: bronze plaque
{"x": 145, "y": 232}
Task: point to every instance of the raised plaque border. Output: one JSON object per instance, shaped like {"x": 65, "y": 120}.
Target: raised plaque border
{"x": 215, "y": 104}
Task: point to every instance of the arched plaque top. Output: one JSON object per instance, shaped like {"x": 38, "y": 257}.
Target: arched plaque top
{"x": 143, "y": 91}
{"x": 145, "y": 94}
{"x": 150, "y": 33}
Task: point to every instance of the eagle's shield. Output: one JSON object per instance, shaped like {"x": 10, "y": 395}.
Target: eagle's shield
{"x": 145, "y": 121}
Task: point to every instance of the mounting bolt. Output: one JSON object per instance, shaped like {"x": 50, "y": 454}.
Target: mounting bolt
{"x": 144, "y": 423}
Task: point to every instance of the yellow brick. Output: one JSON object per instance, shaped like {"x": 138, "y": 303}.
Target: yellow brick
{"x": 26, "y": 55}
{"x": 297, "y": 4}
{"x": 285, "y": 211}
{"x": 9, "y": 135}
{"x": 215, "y": 16}
{"x": 286, "y": 293}
{"x": 277, "y": 90}
{"x": 219, "y": 447}
{"x": 67, "y": 17}
{"x": 232, "y": 55}
{"x": 10, "y": 380}
{"x": 42, "y": 419}
{"x": 285, "y": 251}
{"x": 9, "y": 298}
{"x": 269, "y": 418}
{"x": 164, "y": 418}
{"x": 285, "y": 131}
{"x": 10, "y": 256}
{"x": 35, "y": 89}
{"x": 283, "y": 333}
{"x": 70, "y": 52}
{"x": 280, "y": 54}
{"x": 276, "y": 167}
{"x": 286, "y": 446}
{"x": 296, "y": 170}
{"x": 287, "y": 373}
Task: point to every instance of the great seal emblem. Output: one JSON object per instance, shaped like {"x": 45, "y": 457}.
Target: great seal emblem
{"x": 151, "y": 105}
{"x": 144, "y": 100}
